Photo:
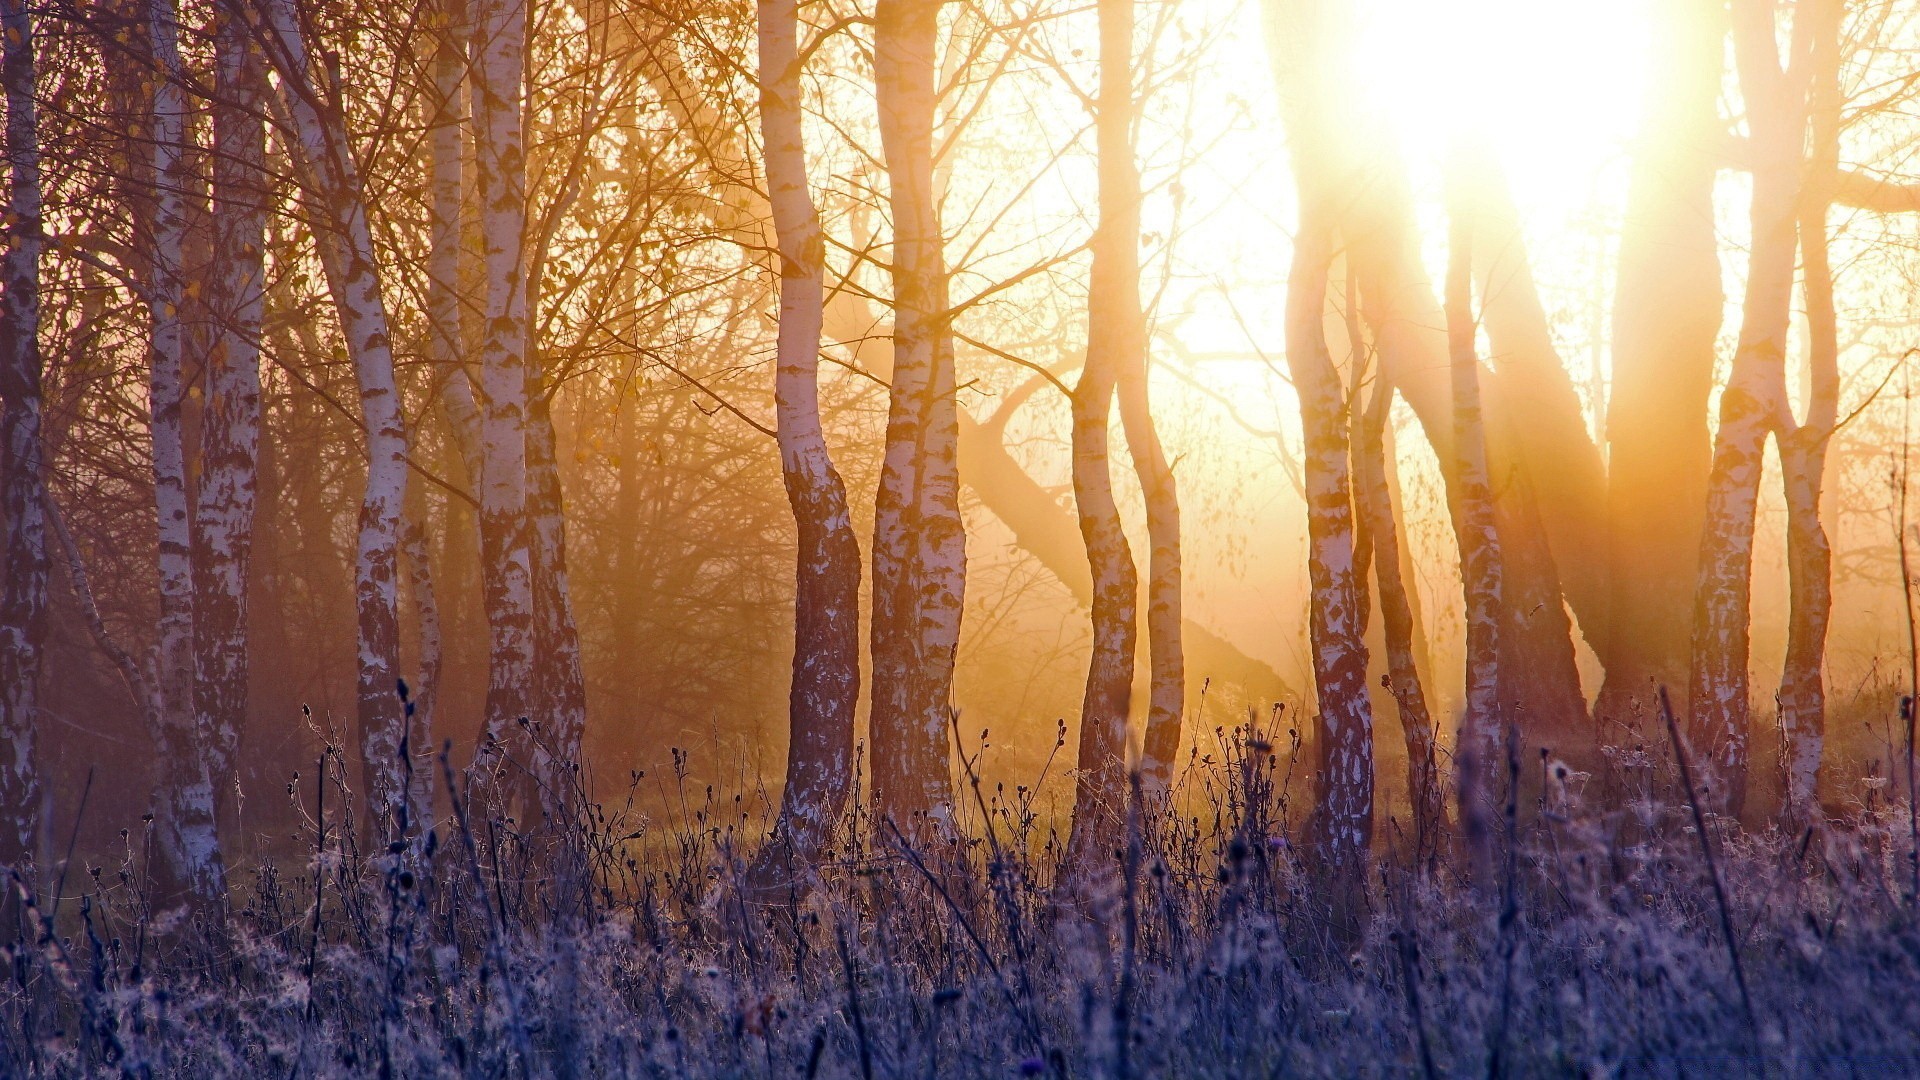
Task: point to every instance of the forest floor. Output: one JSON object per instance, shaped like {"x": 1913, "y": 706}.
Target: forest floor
{"x": 1600, "y": 940}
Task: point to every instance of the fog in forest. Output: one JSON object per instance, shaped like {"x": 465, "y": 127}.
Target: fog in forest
{"x": 698, "y": 461}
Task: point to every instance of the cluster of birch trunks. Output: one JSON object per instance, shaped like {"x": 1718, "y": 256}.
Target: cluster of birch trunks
{"x": 231, "y": 125}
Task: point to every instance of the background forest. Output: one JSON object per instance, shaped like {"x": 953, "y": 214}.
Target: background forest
{"x": 958, "y": 537}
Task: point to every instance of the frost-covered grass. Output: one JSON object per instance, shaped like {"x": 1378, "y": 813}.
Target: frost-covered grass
{"x": 622, "y": 948}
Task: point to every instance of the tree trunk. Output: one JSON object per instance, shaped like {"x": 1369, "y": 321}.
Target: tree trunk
{"x": 1667, "y": 308}
{"x": 426, "y": 694}
{"x": 23, "y": 591}
{"x": 1116, "y": 341}
{"x": 1343, "y": 727}
{"x": 1803, "y": 448}
{"x": 1481, "y": 564}
{"x": 230, "y": 425}
{"x": 1374, "y": 511}
{"x": 497, "y": 89}
{"x": 325, "y": 161}
{"x": 1166, "y": 644}
{"x": 825, "y": 687}
{"x": 559, "y": 681}
{"x": 184, "y": 818}
{"x": 919, "y": 543}
{"x": 1752, "y": 405}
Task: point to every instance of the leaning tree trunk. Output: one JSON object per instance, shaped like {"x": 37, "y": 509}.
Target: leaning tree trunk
{"x": 1116, "y": 341}
{"x": 1373, "y": 505}
{"x": 1666, "y": 317}
{"x": 496, "y": 96}
{"x": 1752, "y": 405}
{"x": 230, "y": 424}
{"x": 326, "y": 165}
{"x": 184, "y": 817}
{"x": 23, "y": 600}
{"x": 919, "y": 543}
{"x": 1481, "y": 565}
{"x": 1803, "y": 448}
{"x": 825, "y": 687}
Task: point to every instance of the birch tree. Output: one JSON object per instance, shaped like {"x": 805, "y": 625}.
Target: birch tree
{"x": 192, "y": 867}
{"x": 230, "y": 423}
{"x": 1803, "y": 445}
{"x": 23, "y": 582}
{"x": 1751, "y": 405}
{"x": 330, "y": 174}
{"x": 825, "y": 684}
{"x": 1116, "y": 341}
{"x": 919, "y": 543}
{"x": 1481, "y": 564}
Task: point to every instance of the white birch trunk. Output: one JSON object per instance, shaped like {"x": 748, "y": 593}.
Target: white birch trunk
{"x": 23, "y": 602}
{"x": 1751, "y": 406}
{"x": 919, "y": 544}
{"x": 1481, "y": 566}
{"x": 184, "y": 815}
{"x": 345, "y": 240}
{"x": 1120, "y": 218}
{"x": 825, "y": 686}
{"x": 496, "y": 93}
{"x": 1803, "y": 446}
{"x": 1116, "y": 335}
{"x": 1344, "y": 724}
{"x": 230, "y": 425}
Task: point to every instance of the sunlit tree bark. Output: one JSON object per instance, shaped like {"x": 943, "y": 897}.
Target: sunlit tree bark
{"x": 1166, "y": 641}
{"x": 1666, "y": 316}
{"x": 1751, "y": 406}
{"x": 230, "y": 423}
{"x": 328, "y": 170}
{"x": 1116, "y": 340}
{"x": 1343, "y": 726}
{"x": 23, "y": 581}
{"x": 192, "y": 869}
{"x": 919, "y": 543}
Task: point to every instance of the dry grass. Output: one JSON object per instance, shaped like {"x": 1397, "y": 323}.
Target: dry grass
{"x": 616, "y": 950}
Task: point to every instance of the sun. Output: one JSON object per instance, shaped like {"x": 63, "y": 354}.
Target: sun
{"x": 1553, "y": 87}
